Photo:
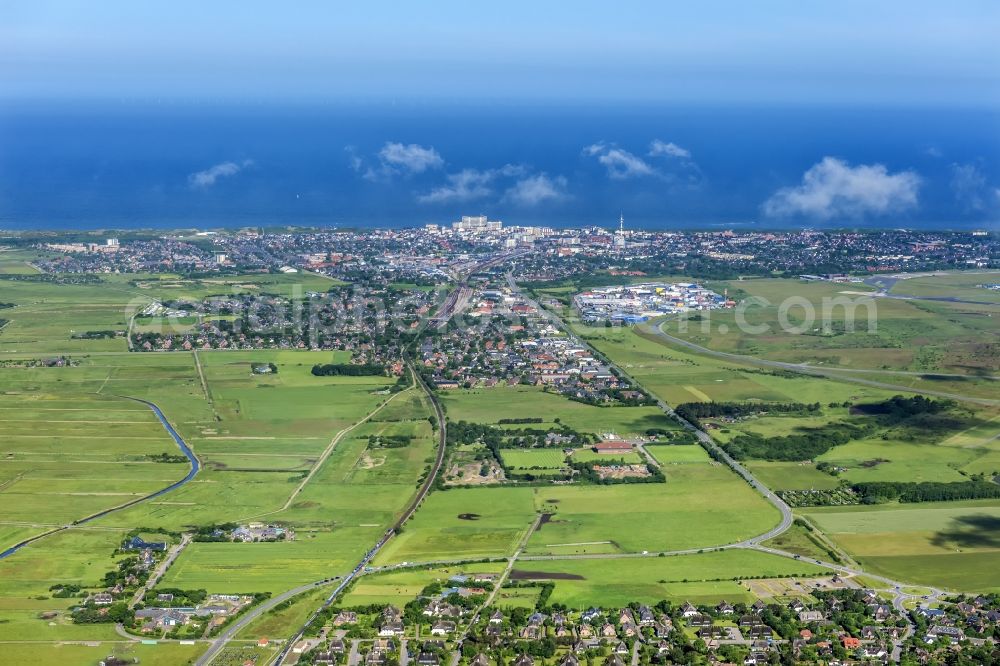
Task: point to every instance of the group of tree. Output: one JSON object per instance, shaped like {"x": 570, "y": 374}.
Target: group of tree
{"x": 800, "y": 446}
{"x": 876, "y": 492}
{"x": 695, "y": 411}
{"x": 389, "y": 441}
{"x": 96, "y": 335}
{"x": 346, "y": 369}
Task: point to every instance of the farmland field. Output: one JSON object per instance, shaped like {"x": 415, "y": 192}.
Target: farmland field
{"x": 905, "y": 335}
{"x": 792, "y": 476}
{"x": 72, "y": 444}
{"x": 491, "y": 405}
{"x": 667, "y": 454}
{"x": 398, "y": 587}
{"x": 589, "y": 455}
{"x": 700, "y": 578}
{"x": 464, "y": 523}
{"x": 948, "y": 544}
{"x": 700, "y": 505}
{"x": 552, "y": 459}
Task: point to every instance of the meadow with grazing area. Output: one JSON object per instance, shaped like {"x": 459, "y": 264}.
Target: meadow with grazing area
{"x": 701, "y": 505}
{"x": 338, "y": 458}
{"x": 906, "y": 335}
{"x": 73, "y": 445}
{"x": 705, "y": 578}
{"x": 463, "y": 523}
{"x": 46, "y": 654}
{"x": 953, "y": 545}
{"x": 491, "y": 405}
{"x": 399, "y": 587}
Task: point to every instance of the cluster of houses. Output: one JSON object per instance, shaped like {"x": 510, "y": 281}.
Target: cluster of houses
{"x": 972, "y": 619}
{"x": 214, "y": 612}
{"x": 433, "y": 252}
{"x": 344, "y": 319}
{"x": 258, "y": 532}
{"x": 843, "y": 626}
{"x": 514, "y": 344}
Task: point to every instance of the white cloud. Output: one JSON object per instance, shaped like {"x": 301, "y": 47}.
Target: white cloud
{"x": 833, "y": 188}
{"x": 470, "y": 184}
{"x": 410, "y": 157}
{"x": 395, "y": 159}
{"x": 968, "y": 184}
{"x": 209, "y": 176}
{"x": 536, "y": 189}
{"x": 668, "y": 149}
{"x": 620, "y": 163}
{"x": 466, "y": 185}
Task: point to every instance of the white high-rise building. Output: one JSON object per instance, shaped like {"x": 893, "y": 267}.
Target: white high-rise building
{"x": 476, "y": 223}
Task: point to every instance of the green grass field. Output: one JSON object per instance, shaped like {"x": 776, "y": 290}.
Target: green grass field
{"x": 161, "y": 654}
{"x": 948, "y": 544}
{"x": 589, "y": 455}
{"x": 792, "y": 476}
{"x": 463, "y": 523}
{"x": 399, "y": 587}
{"x": 701, "y": 578}
{"x": 667, "y": 454}
{"x": 71, "y": 444}
{"x": 903, "y": 335}
{"x": 544, "y": 459}
{"x": 491, "y": 405}
{"x": 700, "y": 505}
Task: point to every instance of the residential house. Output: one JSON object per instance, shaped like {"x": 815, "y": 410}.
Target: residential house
{"x": 443, "y": 628}
{"x": 699, "y": 620}
{"x": 953, "y": 634}
{"x": 811, "y": 616}
{"x": 523, "y": 660}
{"x": 850, "y": 643}
{"x": 390, "y": 628}
{"x": 345, "y": 617}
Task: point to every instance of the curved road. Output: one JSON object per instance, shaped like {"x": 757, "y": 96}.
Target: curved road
{"x": 220, "y": 642}
{"x": 809, "y": 369}
{"x": 703, "y": 438}
{"x": 185, "y": 449}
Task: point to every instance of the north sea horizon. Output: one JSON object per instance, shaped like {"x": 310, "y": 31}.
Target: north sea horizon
{"x": 126, "y": 165}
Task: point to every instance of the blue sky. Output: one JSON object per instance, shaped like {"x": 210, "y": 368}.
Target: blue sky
{"x": 844, "y": 52}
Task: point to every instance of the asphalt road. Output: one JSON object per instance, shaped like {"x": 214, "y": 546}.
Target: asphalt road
{"x": 359, "y": 570}
{"x": 812, "y": 370}
{"x": 706, "y": 441}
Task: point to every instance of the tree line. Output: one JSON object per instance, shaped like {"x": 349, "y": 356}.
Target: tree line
{"x": 346, "y": 369}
